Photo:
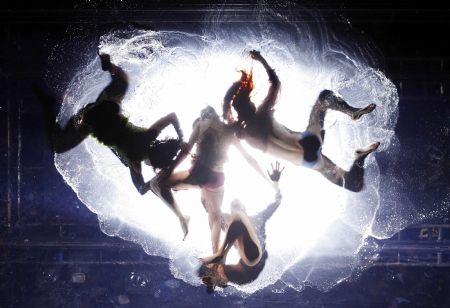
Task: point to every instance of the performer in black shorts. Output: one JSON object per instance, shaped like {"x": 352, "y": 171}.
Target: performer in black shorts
{"x": 258, "y": 127}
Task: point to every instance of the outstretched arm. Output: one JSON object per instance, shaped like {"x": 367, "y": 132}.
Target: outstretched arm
{"x": 114, "y": 70}
{"x": 165, "y": 121}
{"x": 271, "y": 97}
{"x": 118, "y": 86}
{"x": 226, "y": 107}
{"x": 271, "y": 208}
{"x": 250, "y": 160}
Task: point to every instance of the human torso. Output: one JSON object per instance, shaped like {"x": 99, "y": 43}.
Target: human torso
{"x": 112, "y": 128}
{"x": 279, "y": 141}
{"x": 214, "y": 139}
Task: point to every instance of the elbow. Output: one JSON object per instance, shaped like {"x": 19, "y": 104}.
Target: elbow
{"x": 276, "y": 83}
{"x": 273, "y": 78}
{"x": 172, "y": 117}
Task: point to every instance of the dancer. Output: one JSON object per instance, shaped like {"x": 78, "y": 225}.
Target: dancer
{"x": 248, "y": 234}
{"x": 259, "y": 128}
{"x": 104, "y": 120}
{"x": 212, "y": 138}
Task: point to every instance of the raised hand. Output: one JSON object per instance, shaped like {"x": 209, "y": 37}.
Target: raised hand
{"x": 105, "y": 60}
{"x": 256, "y": 55}
{"x": 275, "y": 174}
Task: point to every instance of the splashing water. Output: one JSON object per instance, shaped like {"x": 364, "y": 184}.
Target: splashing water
{"x": 318, "y": 235}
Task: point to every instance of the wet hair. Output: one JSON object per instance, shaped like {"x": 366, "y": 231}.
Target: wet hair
{"x": 207, "y": 274}
{"x": 208, "y": 113}
{"x": 162, "y": 153}
{"x": 238, "y": 96}
{"x": 311, "y": 148}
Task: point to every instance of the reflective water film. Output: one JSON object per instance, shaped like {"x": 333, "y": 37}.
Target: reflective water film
{"x": 318, "y": 234}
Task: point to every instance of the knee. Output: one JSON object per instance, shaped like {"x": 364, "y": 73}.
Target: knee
{"x": 214, "y": 217}
{"x": 142, "y": 189}
{"x": 325, "y": 94}
{"x": 354, "y": 186}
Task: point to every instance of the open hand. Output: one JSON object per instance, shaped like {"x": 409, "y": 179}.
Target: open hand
{"x": 276, "y": 172}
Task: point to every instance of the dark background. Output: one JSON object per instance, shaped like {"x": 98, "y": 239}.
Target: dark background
{"x": 53, "y": 253}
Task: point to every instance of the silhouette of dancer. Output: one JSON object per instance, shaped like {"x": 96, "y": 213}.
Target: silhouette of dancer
{"x": 259, "y": 128}
{"x": 213, "y": 138}
{"x": 248, "y": 234}
{"x": 104, "y": 120}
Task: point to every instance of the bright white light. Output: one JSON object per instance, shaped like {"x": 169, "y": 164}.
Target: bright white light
{"x": 173, "y": 71}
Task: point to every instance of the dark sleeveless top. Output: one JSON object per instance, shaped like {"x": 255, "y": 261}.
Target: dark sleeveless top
{"x": 111, "y": 127}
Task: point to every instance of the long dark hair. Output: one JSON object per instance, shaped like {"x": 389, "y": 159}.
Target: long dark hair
{"x": 162, "y": 153}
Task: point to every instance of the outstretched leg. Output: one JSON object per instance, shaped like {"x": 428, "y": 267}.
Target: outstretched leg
{"x": 240, "y": 231}
{"x": 212, "y": 201}
{"x": 137, "y": 178}
{"x": 329, "y": 100}
{"x": 64, "y": 138}
{"x": 162, "y": 185}
{"x": 353, "y": 179}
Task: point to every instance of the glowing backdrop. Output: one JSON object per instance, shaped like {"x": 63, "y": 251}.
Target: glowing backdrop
{"x": 317, "y": 222}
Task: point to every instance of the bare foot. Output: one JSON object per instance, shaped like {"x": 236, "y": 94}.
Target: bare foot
{"x": 362, "y": 153}
{"x": 359, "y": 113}
{"x": 185, "y": 225}
{"x": 216, "y": 258}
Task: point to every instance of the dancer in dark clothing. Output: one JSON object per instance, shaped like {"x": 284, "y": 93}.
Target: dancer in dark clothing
{"x": 259, "y": 128}
{"x": 104, "y": 120}
{"x": 248, "y": 235}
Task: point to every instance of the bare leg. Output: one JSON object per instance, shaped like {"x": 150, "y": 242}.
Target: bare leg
{"x": 353, "y": 179}
{"x": 237, "y": 232}
{"x": 328, "y": 100}
{"x": 64, "y": 138}
{"x": 137, "y": 178}
{"x": 234, "y": 231}
{"x": 212, "y": 200}
{"x": 162, "y": 186}
{"x": 69, "y": 136}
